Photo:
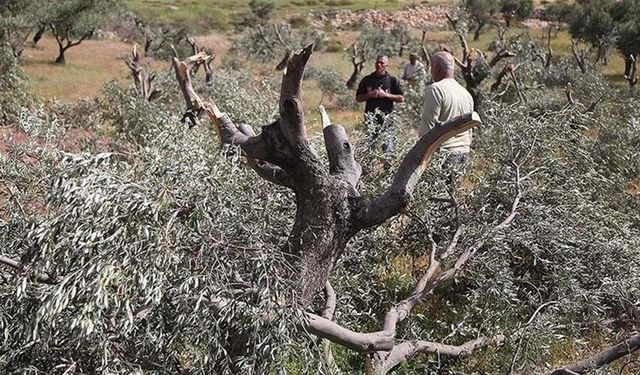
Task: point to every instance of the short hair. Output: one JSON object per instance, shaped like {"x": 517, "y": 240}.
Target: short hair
{"x": 444, "y": 60}
{"x": 382, "y": 57}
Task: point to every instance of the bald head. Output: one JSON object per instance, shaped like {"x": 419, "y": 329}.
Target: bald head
{"x": 442, "y": 65}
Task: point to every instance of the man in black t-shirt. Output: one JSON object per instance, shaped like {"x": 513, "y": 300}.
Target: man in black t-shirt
{"x": 380, "y": 90}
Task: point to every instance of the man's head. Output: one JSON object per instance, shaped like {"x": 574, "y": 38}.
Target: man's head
{"x": 442, "y": 65}
{"x": 382, "y": 63}
{"x": 413, "y": 58}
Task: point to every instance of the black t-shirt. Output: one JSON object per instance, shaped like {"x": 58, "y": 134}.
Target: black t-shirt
{"x": 388, "y": 83}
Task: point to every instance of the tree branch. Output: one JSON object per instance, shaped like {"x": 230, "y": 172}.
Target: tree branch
{"x": 606, "y": 356}
{"x": 405, "y": 180}
{"x": 357, "y": 341}
{"x": 403, "y": 351}
{"x": 39, "y": 277}
{"x": 342, "y": 162}
{"x": 264, "y": 169}
{"x": 329, "y": 301}
{"x": 291, "y": 112}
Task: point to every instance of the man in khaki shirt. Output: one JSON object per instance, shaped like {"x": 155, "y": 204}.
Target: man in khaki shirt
{"x": 444, "y": 100}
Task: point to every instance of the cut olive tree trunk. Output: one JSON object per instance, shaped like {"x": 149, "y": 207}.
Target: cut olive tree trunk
{"x": 329, "y": 207}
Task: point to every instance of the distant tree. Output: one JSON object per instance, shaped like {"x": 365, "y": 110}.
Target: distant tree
{"x": 626, "y": 15}
{"x": 519, "y": 9}
{"x": 17, "y": 21}
{"x": 13, "y": 90}
{"x": 481, "y": 13}
{"x": 593, "y": 23}
{"x": 268, "y": 42}
{"x": 559, "y": 11}
{"x": 260, "y": 12}
{"x": 73, "y": 21}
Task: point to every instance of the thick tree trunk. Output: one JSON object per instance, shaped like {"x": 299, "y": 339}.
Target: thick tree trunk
{"x": 60, "y": 59}
{"x": 329, "y": 209}
{"x": 321, "y": 231}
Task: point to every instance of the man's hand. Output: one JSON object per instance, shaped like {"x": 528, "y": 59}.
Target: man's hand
{"x": 377, "y": 93}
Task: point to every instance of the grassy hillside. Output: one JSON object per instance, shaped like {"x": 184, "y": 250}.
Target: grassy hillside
{"x": 219, "y": 14}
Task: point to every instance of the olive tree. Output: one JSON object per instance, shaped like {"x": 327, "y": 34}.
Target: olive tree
{"x": 519, "y": 9}
{"x": 591, "y": 22}
{"x": 73, "y": 21}
{"x": 165, "y": 254}
{"x": 17, "y": 21}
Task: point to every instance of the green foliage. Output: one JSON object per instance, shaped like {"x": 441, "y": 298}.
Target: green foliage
{"x": 375, "y": 41}
{"x": 142, "y": 240}
{"x": 260, "y": 12}
{"x": 520, "y": 9}
{"x": 626, "y": 15}
{"x": 13, "y": 91}
{"x": 332, "y": 86}
{"x": 481, "y": 13}
{"x": 559, "y": 11}
{"x": 591, "y": 22}
{"x": 76, "y": 18}
{"x": 270, "y": 42}
{"x": 17, "y": 19}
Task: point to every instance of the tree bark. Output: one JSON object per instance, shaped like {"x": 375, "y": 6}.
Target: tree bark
{"x": 60, "y": 59}
{"x": 604, "y": 357}
{"x": 329, "y": 208}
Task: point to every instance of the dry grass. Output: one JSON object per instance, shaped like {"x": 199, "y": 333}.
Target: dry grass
{"x": 89, "y": 66}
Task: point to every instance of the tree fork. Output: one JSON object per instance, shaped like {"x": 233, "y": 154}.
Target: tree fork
{"x": 329, "y": 208}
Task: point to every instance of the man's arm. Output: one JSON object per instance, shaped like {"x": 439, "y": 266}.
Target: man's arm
{"x": 430, "y": 110}
{"x": 363, "y": 93}
{"x": 398, "y": 98}
{"x": 362, "y": 97}
{"x": 396, "y": 94}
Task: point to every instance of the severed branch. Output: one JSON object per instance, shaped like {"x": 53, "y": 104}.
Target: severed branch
{"x": 504, "y": 72}
{"x": 327, "y": 313}
{"x": 426, "y": 57}
{"x": 630, "y": 67}
{"x": 502, "y": 54}
{"x": 357, "y": 341}
{"x": 290, "y": 106}
{"x": 357, "y": 60}
{"x": 568, "y": 91}
{"x": 342, "y": 162}
{"x": 594, "y": 104}
{"x": 282, "y": 65}
{"x": 426, "y": 286}
{"x": 512, "y": 75}
{"x": 143, "y": 81}
{"x": 226, "y": 129}
{"x": 405, "y": 180}
{"x": 579, "y": 56}
{"x": 606, "y": 356}
{"x": 39, "y": 277}
{"x": 407, "y": 349}
{"x": 264, "y": 169}
{"x": 205, "y": 63}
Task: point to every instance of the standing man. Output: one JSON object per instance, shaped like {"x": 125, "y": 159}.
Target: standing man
{"x": 412, "y": 69}
{"x": 444, "y": 100}
{"x": 380, "y": 90}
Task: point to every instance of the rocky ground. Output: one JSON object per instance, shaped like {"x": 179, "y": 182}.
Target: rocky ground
{"x": 421, "y": 17}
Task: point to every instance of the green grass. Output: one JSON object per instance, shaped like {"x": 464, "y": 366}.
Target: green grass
{"x": 219, "y": 15}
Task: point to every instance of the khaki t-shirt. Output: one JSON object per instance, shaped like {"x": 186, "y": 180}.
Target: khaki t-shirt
{"x": 445, "y": 100}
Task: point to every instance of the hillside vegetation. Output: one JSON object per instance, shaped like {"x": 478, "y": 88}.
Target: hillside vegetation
{"x": 145, "y": 233}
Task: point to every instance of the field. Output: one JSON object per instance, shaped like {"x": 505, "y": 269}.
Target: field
{"x": 95, "y": 62}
